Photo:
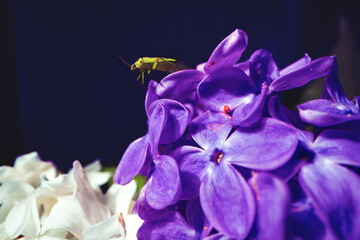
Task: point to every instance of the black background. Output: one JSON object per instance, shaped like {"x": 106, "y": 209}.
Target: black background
{"x": 65, "y": 94}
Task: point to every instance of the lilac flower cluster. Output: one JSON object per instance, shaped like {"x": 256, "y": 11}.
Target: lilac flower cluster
{"x": 224, "y": 159}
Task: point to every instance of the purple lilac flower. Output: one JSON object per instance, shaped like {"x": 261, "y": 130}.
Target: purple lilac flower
{"x": 324, "y": 112}
{"x": 182, "y": 85}
{"x": 246, "y": 95}
{"x": 170, "y": 224}
{"x": 222, "y": 85}
{"x": 208, "y": 170}
{"x": 334, "y": 191}
{"x": 270, "y": 221}
{"x": 332, "y": 188}
{"x": 303, "y": 222}
{"x": 168, "y": 120}
{"x": 221, "y": 142}
{"x": 329, "y": 187}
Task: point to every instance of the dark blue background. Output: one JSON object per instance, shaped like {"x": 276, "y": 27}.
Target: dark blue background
{"x": 65, "y": 93}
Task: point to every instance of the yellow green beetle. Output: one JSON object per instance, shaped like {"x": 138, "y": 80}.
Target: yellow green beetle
{"x": 148, "y": 64}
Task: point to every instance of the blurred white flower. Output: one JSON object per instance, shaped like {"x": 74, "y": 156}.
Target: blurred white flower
{"x": 38, "y": 203}
{"x": 28, "y": 168}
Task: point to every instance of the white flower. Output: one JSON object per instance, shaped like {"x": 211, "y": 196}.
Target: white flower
{"x": 37, "y": 204}
{"x": 28, "y": 168}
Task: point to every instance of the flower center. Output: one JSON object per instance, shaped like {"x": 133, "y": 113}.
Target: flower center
{"x": 218, "y": 156}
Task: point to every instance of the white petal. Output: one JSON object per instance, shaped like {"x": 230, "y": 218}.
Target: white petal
{"x": 27, "y": 161}
{"x": 132, "y": 225}
{"x": 45, "y": 204}
{"x": 32, "y": 167}
{"x": 94, "y": 174}
{"x": 23, "y": 218}
{"x": 85, "y": 194}
{"x": 49, "y": 174}
{"x": 108, "y": 229}
{"x": 97, "y": 179}
{"x": 15, "y": 190}
{"x": 53, "y": 234}
{"x": 118, "y": 197}
{"x": 61, "y": 185}
{"x": 8, "y": 174}
{"x": 5, "y": 208}
{"x": 80, "y": 211}
{"x": 3, "y": 234}
{"x": 67, "y": 214}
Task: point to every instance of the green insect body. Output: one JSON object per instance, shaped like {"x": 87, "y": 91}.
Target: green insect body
{"x": 148, "y": 64}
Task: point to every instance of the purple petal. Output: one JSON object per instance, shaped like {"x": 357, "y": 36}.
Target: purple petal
{"x": 141, "y": 207}
{"x": 227, "y": 201}
{"x": 146, "y": 168}
{"x": 263, "y": 67}
{"x": 225, "y": 89}
{"x": 296, "y": 65}
{"x": 335, "y": 90}
{"x": 210, "y": 129}
{"x": 177, "y": 120}
{"x": 164, "y": 186}
{"x": 272, "y": 197}
{"x": 334, "y": 191}
{"x": 180, "y": 85}
{"x": 194, "y": 109}
{"x": 244, "y": 66}
{"x": 166, "y": 224}
{"x": 282, "y": 113}
{"x": 157, "y": 122}
{"x": 247, "y": 114}
{"x": 196, "y": 218}
{"x": 193, "y": 163}
{"x": 228, "y": 52}
{"x": 299, "y": 77}
{"x": 289, "y": 169}
{"x": 151, "y": 95}
{"x": 325, "y": 113}
{"x": 303, "y": 223}
{"x": 340, "y": 146}
{"x": 132, "y": 161}
{"x": 306, "y": 137}
{"x": 266, "y": 145}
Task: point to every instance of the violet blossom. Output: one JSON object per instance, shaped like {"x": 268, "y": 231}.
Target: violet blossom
{"x": 208, "y": 171}
{"x": 339, "y": 109}
{"x": 168, "y": 120}
{"x": 242, "y": 162}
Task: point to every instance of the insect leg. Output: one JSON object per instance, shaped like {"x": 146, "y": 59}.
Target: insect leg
{"x": 142, "y": 80}
{"x": 155, "y": 64}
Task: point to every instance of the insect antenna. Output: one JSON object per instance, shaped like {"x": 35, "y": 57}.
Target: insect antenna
{"x": 123, "y": 60}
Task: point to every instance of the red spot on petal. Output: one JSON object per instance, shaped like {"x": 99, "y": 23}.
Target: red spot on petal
{"x": 226, "y": 109}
